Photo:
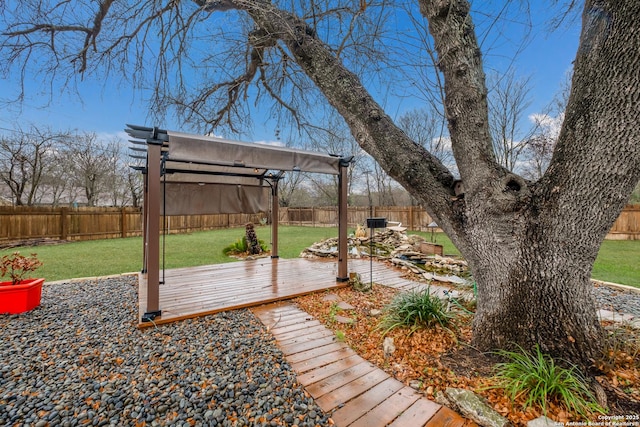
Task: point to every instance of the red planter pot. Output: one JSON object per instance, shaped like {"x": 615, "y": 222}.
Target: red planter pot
{"x": 22, "y": 297}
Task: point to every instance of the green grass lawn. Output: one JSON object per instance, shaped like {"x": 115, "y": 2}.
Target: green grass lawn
{"x": 618, "y": 261}
{"x": 115, "y": 256}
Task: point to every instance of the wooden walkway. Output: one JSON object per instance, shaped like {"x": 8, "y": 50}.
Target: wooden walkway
{"x": 198, "y": 291}
{"x": 357, "y": 393}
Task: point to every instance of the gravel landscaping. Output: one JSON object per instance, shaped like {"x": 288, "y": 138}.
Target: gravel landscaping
{"x": 79, "y": 359}
{"x": 622, "y": 301}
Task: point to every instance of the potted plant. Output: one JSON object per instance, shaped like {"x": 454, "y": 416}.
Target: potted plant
{"x": 19, "y": 294}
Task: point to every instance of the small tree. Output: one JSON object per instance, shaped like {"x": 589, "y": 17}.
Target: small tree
{"x": 91, "y": 162}
{"x": 539, "y": 147}
{"x": 24, "y": 160}
{"x": 253, "y": 244}
{"x": 508, "y": 99}
{"x": 17, "y": 266}
{"x": 428, "y": 128}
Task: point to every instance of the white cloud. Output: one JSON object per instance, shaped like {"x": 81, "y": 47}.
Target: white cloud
{"x": 549, "y": 125}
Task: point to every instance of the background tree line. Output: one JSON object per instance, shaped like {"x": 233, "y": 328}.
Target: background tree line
{"x": 48, "y": 167}
{"x": 41, "y": 166}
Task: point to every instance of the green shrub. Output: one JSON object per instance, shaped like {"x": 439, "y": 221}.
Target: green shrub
{"x": 240, "y": 247}
{"x": 415, "y": 309}
{"x": 537, "y": 377}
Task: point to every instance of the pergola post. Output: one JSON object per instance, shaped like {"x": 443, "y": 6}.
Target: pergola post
{"x": 275, "y": 217}
{"x": 343, "y": 247}
{"x": 152, "y": 204}
{"x": 145, "y": 215}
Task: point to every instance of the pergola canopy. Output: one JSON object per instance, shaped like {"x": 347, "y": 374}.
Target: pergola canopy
{"x": 211, "y": 175}
{"x": 194, "y": 174}
{"x": 249, "y": 156}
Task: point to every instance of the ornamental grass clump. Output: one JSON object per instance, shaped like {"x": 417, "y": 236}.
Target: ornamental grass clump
{"x": 414, "y": 310}
{"x": 17, "y": 266}
{"x": 537, "y": 378}
{"x": 238, "y": 247}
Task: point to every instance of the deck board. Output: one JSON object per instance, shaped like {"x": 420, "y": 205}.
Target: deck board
{"x": 389, "y": 409}
{"x": 417, "y": 414}
{"x": 329, "y": 370}
{"x": 197, "y": 291}
{"x": 323, "y": 359}
{"x": 336, "y": 397}
{"x": 359, "y": 406}
{"x": 445, "y": 417}
{"x": 339, "y": 379}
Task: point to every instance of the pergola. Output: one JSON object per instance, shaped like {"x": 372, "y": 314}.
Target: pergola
{"x": 193, "y": 174}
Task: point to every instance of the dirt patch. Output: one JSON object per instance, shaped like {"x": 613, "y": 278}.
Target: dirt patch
{"x": 469, "y": 362}
{"x": 31, "y": 243}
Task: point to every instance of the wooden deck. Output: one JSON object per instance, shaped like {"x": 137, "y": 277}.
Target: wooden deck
{"x": 199, "y": 291}
{"x": 355, "y": 392}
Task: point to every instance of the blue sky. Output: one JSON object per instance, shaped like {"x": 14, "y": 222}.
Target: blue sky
{"x": 105, "y": 107}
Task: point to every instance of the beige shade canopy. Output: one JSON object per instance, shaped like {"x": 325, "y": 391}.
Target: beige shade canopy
{"x": 211, "y": 175}
{"x": 247, "y": 155}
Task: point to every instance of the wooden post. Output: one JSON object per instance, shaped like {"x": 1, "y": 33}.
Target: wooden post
{"x": 410, "y": 217}
{"x": 343, "y": 247}
{"x": 145, "y": 214}
{"x": 153, "y": 231}
{"x": 64, "y": 227}
{"x": 123, "y": 222}
{"x": 275, "y": 206}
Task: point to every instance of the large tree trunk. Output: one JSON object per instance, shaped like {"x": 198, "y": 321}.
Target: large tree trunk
{"x": 534, "y": 286}
{"x": 531, "y": 246}
{"x": 530, "y": 298}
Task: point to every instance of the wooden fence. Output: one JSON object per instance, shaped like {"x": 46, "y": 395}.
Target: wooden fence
{"x": 25, "y": 223}
{"x": 412, "y": 217}
{"x": 627, "y": 226}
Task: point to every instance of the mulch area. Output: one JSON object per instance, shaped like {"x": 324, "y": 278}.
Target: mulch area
{"x": 431, "y": 360}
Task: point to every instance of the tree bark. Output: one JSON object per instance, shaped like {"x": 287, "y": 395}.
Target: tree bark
{"x": 530, "y": 246}
{"x": 533, "y": 287}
